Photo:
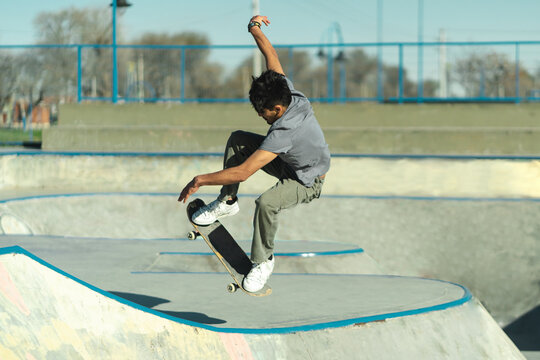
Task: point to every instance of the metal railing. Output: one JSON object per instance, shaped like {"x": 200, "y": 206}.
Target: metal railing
{"x": 333, "y": 73}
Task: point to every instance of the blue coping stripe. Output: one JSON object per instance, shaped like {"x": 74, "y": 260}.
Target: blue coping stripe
{"x": 53, "y": 236}
{"x": 214, "y": 154}
{"x": 112, "y": 154}
{"x": 282, "y": 254}
{"x": 68, "y": 195}
{"x": 284, "y": 330}
{"x": 335, "y": 196}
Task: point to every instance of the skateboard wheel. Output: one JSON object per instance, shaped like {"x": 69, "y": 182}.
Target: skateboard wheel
{"x": 232, "y": 287}
{"x": 192, "y": 235}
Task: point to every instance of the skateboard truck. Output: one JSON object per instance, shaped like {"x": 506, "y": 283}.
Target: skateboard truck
{"x": 193, "y": 235}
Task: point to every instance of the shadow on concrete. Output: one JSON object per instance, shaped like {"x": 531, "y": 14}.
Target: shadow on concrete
{"x": 525, "y": 331}
{"x": 144, "y": 300}
{"x": 152, "y": 301}
{"x": 193, "y": 316}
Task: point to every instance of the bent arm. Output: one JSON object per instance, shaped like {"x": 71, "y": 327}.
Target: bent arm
{"x": 229, "y": 176}
{"x": 264, "y": 45}
{"x": 238, "y": 173}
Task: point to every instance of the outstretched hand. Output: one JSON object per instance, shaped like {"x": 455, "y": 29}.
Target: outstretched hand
{"x": 261, "y": 19}
{"x": 190, "y": 189}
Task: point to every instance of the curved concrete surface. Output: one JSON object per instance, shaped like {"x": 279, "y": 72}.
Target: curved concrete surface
{"x": 51, "y": 313}
{"x": 467, "y": 230}
{"x": 152, "y": 217}
{"x": 82, "y": 256}
{"x": 445, "y": 237}
{"x": 503, "y": 177}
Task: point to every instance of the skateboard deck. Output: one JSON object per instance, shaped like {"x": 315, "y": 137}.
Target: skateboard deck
{"x": 230, "y": 254}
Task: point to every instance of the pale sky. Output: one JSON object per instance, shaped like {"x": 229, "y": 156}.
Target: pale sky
{"x": 299, "y": 21}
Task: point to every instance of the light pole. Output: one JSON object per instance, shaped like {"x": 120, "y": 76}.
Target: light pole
{"x": 115, "y": 4}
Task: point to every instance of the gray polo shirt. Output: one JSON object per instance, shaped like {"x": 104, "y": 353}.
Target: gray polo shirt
{"x": 298, "y": 140}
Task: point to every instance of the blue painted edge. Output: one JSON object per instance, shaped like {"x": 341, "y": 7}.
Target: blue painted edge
{"x": 67, "y": 195}
{"x": 214, "y": 154}
{"x": 285, "y": 330}
{"x": 111, "y": 154}
{"x": 53, "y": 236}
{"x": 282, "y": 254}
{"x": 366, "y": 197}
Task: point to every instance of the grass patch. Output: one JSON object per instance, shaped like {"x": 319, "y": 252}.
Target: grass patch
{"x": 18, "y": 135}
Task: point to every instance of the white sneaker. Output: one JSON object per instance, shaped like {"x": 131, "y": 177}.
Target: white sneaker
{"x": 214, "y": 211}
{"x": 258, "y": 276}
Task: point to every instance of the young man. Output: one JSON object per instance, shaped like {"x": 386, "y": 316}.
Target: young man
{"x": 293, "y": 150}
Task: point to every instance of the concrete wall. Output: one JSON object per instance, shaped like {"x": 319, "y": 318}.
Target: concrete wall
{"x": 401, "y": 176}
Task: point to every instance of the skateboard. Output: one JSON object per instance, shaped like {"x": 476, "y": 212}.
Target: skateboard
{"x": 221, "y": 242}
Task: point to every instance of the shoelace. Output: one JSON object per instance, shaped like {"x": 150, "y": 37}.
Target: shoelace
{"x": 214, "y": 205}
{"x": 257, "y": 270}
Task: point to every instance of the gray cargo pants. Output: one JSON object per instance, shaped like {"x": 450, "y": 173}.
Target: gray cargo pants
{"x": 287, "y": 192}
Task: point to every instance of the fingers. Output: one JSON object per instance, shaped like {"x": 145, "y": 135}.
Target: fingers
{"x": 188, "y": 190}
{"x": 183, "y": 197}
{"x": 184, "y": 194}
{"x": 260, "y": 18}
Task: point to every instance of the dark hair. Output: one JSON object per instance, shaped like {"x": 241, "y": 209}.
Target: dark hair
{"x": 268, "y": 90}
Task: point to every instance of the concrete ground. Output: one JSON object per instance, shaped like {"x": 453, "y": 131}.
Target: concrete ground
{"x": 140, "y": 238}
{"x": 121, "y": 267}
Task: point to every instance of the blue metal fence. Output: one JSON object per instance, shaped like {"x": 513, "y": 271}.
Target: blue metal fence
{"x": 410, "y": 72}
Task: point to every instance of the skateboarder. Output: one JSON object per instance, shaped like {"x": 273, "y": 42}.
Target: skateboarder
{"x": 294, "y": 151}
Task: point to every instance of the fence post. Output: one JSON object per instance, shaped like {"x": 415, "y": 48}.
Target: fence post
{"x": 342, "y": 82}
{"x": 420, "y": 85}
{"x": 380, "y": 92}
{"x": 290, "y": 68}
{"x": 380, "y": 89}
{"x": 330, "y": 75}
{"x": 115, "y": 64}
{"x": 182, "y": 74}
{"x": 29, "y": 126}
{"x": 420, "y": 91}
{"x": 400, "y": 95}
{"x": 79, "y": 74}
{"x": 518, "y": 99}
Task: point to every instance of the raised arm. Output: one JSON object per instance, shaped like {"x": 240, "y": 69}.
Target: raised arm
{"x": 270, "y": 54}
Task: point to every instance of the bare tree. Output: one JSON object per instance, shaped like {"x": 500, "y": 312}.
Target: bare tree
{"x": 8, "y": 77}
{"x": 75, "y": 26}
{"x": 162, "y": 67}
{"x": 490, "y": 75}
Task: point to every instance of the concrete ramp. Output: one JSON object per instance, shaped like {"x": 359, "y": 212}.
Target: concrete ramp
{"x": 48, "y": 313}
